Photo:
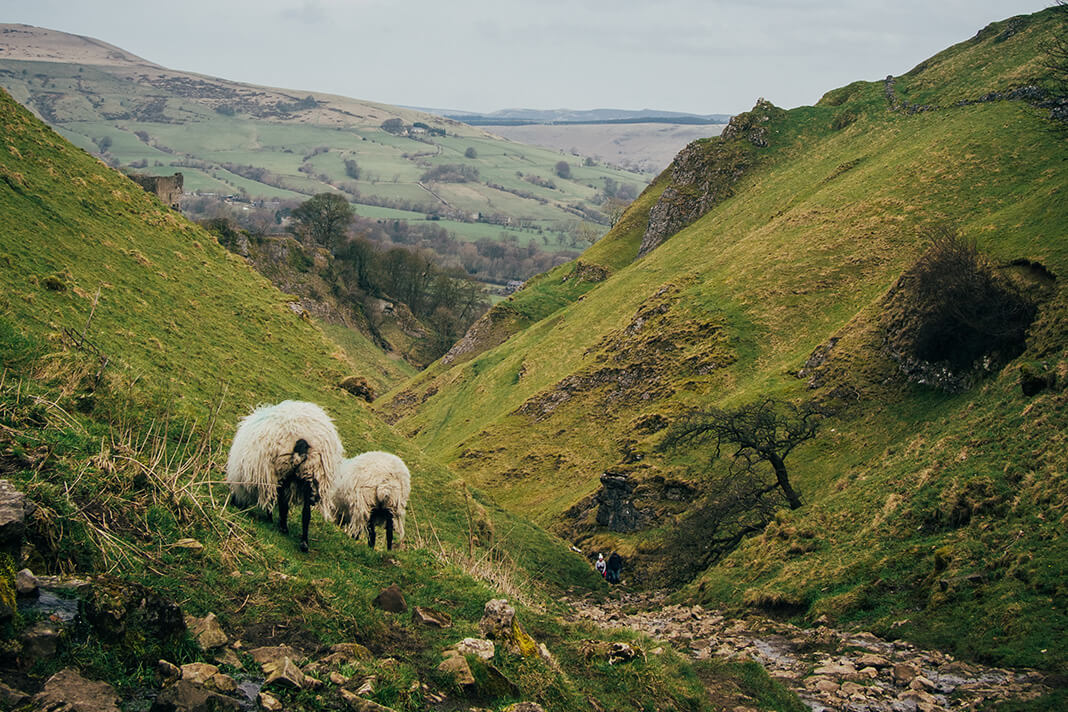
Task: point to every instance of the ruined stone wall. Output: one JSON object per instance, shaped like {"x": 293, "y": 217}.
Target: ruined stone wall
{"x": 167, "y": 188}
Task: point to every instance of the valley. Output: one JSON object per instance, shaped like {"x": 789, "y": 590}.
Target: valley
{"x": 809, "y": 385}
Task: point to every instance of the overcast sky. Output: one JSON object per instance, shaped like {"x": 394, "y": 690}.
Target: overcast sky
{"x": 700, "y": 56}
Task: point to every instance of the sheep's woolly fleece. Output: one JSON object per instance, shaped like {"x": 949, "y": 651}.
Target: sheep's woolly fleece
{"x": 362, "y": 483}
{"x": 263, "y": 449}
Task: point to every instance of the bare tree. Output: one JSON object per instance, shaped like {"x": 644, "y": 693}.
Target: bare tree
{"x": 762, "y": 432}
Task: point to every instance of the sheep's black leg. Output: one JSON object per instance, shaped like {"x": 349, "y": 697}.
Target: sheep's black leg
{"x": 305, "y": 515}
{"x": 283, "y": 507}
{"x": 389, "y": 532}
{"x": 371, "y": 533}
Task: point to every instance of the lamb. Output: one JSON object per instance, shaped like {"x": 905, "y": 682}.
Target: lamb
{"x": 369, "y": 489}
{"x": 286, "y": 454}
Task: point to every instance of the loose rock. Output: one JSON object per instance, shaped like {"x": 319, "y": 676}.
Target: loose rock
{"x": 391, "y": 600}
{"x": 431, "y": 617}
{"x": 69, "y": 691}
{"x": 26, "y": 584}
{"x": 207, "y": 631}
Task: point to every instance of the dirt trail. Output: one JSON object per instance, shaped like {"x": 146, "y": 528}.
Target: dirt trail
{"x": 829, "y": 669}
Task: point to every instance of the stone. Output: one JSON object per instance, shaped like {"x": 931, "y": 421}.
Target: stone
{"x": 391, "y": 600}
{"x": 836, "y": 669}
{"x": 431, "y": 617}
{"x": 269, "y": 653}
{"x": 228, "y": 657}
{"x": 479, "y": 647}
{"x": 360, "y": 704}
{"x": 456, "y": 665}
{"x": 206, "y": 631}
{"x": 499, "y": 623}
{"x": 492, "y": 683}
{"x": 903, "y": 673}
{"x": 524, "y": 707}
{"x": 10, "y": 698}
{"x": 848, "y": 689}
{"x": 26, "y": 584}
{"x": 167, "y": 671}
{"x": 188, "y": 696}
{"x": 283, "y": 672}
{"x": 223, "y": 683}
{"x": 40, "y": 641}
{"x": 337, "y": 678}
{"x": 198, "y": 673}
{"x": 921, "y": 683}
{"x": 191, "y": 545}
{"x": 872, "y": 660}
{"x": 269, "y": 702}
{"x": 824, "y": 684}
{"x": 13, "y": 511}
{"x": 70, "y": 692}
{"x": 367, "y": 686}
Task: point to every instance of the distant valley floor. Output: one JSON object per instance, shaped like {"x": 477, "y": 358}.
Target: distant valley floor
{"x": 649, "y": 147}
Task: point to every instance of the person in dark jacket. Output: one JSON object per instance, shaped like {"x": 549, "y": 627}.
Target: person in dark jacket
{"x": 614, "y": 568}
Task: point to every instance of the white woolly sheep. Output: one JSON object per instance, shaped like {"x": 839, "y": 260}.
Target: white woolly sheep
{"x": 369, "y": 489}
{"x": 283, "y": 454}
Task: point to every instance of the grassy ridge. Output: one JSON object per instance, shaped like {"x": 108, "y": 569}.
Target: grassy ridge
{"x": 804, "y": 251}
{"x": 125, "y": 460}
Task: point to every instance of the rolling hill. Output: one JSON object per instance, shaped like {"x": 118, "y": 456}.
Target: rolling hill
{"x": 263, "y": 143}
{"x": 788, "y": 260}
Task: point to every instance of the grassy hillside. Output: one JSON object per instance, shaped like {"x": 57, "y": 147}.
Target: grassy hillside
{"x": 230, "y": 138}
{"x": 131, "y": 343}
{"x": 907, "y": 489}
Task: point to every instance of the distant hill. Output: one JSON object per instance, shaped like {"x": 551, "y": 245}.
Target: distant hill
{"x": 259, "y": 143}
{"x": 790, "y": 259}
{"x": 517, "y": 117}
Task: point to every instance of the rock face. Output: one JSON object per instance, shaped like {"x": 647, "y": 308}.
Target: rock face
{"x": 615, "y": 506}
{"x": 70, "y": 692}
{"x": 704, "y": 174}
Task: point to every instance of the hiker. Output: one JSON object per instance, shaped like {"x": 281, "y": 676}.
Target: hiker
{"x": 614, "y": 568}
{"x": 600, "y": 565}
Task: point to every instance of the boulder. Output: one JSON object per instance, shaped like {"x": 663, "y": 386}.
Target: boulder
{"x": 70, "y": 692}
{"x": 391, "y": 600}
{"x": 167, "y": 672}
{"x": 903, "y": 673}
{"x": 270, "y": 653}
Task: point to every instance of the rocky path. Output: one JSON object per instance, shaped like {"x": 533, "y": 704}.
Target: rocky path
{"x": 828, "y": 669}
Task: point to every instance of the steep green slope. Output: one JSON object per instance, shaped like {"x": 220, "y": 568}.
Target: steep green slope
{"x": 907, "y": 489}
{"x": 131, "y": 343}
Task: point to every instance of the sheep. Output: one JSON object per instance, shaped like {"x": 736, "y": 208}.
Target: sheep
{"x": 285, "y": 454}
{"x": 368, "y": 489}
